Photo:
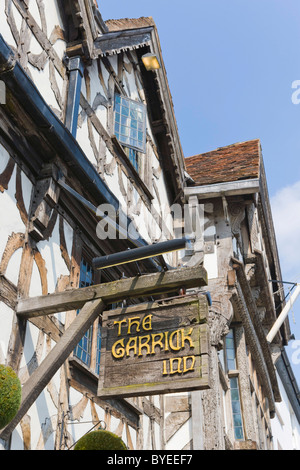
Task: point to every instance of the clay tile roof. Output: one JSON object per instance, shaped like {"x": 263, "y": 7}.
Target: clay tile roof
{"x": 239, "y": 161}
{"x": 129, "y": 23}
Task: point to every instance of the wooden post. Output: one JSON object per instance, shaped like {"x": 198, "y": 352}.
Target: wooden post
{"x": 54, "y": 360}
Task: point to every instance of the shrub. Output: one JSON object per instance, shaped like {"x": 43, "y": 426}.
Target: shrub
{"x": 100, "y": 440}
{"x": 10, "y": 395}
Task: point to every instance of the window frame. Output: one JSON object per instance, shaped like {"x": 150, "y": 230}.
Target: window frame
{"x": 126, "y": 122}
{"x": 94, "y": 331}
{"x": 233, "y": 374}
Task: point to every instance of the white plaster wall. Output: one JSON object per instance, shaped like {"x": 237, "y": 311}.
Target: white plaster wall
{"x": 51, "y": 253}
{"x": 26, "y": 191}
{"x": 78, "y": 428}
{"x": 211, "y": 264}
{"x": 145, "y": 420}
{"x": 4, "y": 157}
{"x": 285, "y": 429}
{"x": 83, "y": 140}
{"x": 53, "y": 17}
{"x": 68, "y": 232}
{"x": 130, "y": 85}
{"x": 13, "y": 267}
{"x": 211, "y": 259}
{"x": 5, "y": 29}
{"x": 112, "y": 182}
{"x": 7, "y": 316}
{"x": 33, "y": 9}
{"x": 9, "y": 213}
{"x": 30, "y": 346}
{"x": 35, "y": 288}
{"x": 41, "y": 412}
{"x": 95, "y": 89}
{"x": 11, "y": 223}
{"x": 113, "y": 59}
{"x": 41, "y": 80}
{"x": 42, "y": 415}
{"x": 184, "y": 434}
{"x": 181, "y": 438}
{"x": 133, "y": 436}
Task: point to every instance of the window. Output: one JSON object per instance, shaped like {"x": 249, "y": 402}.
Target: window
{"x": 230, "y": 351}
{"x": 130, "y": 123}
{"x": 236, "y": 409}
{"x": 133, "y": 158}
{"x": 83, "y": 350}
{"x": 98, "y": 352}
{"x": 231, "y": 365}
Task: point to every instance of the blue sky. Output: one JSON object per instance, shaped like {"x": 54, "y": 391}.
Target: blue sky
{"x": 231, "y": 65}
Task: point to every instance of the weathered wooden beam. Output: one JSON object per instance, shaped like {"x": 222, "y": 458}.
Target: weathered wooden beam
{"x": 118, "y": 40}
{"x": 8, "y": 292}
{"x": 54, "y": 360}
{"x": 231, "y": 188}
{"x": 115, "y": 291}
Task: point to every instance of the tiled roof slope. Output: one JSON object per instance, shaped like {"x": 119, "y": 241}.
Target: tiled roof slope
{"x": 235, "y": 162}
{"x": 129, "y": 23}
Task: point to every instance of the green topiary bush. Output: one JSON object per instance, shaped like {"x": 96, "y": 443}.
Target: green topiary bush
{"x": 10, "y": 395}
{"x": 100, "y": 440}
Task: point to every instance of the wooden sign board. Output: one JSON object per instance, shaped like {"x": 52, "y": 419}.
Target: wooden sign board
{"x": 155, "y": 348}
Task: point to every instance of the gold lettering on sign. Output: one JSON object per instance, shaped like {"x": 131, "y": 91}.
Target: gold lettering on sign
{"x": 185, "y": 359}
{"x": 165, "y": 341}
{"x": 151, "y": 344}
{"x": 118, "y": 352}
{"x": 133, "y": 321}
{"x": 131, "y": 346}
{"x": 185, "y": 338}
{"x": 157, "y": 342}
{"x": 178, "y": 365}
{"x": 177, "y": 346}
{"x": 146, "y": 324}
{"x": 144, "y": 344}
{"x": 120, "y": 324}
{"x": 175, "y": 368}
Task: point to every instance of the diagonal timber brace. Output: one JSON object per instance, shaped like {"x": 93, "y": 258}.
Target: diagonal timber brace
{"x": 54, "y": 360}
{"x": 91, "y": 300}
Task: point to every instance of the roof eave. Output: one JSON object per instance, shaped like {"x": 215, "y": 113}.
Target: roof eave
{"x": 231, "y": 188}
{"x": 113, "y": 42}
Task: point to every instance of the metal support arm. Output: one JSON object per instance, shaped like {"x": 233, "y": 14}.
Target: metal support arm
{"x": 275, "y": 328}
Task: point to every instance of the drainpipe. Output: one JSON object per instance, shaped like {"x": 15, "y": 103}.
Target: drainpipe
{"x": 75, "y": 68}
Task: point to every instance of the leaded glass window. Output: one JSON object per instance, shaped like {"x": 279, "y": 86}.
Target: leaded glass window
{"x": 83, "y": 349}
{"x": 236, "y": 409}
{"x": 133, "y": 157}
{"x": 231, "y": 365}
{"x": 98, "y": 352}
{"x": 230, "y": 351}
{"x": 130, "y": 123}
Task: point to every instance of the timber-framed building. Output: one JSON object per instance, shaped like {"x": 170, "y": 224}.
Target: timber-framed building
{"x": 241, "y": 259}
{"x": 84, "y": 124}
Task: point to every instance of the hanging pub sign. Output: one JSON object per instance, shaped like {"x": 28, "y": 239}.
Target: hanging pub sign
{"x": 155, "y": 348}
